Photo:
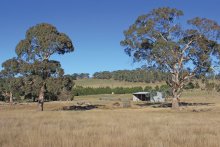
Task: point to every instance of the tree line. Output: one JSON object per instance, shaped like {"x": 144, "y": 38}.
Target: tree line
{"x": 77, "y": 76}
{"x": 147, "y": 75}
{"x": 27, "y": 88}
{"x": 79, "y": 90}
{"x": 167, "y": 90}
{"x": 139, "y": 75}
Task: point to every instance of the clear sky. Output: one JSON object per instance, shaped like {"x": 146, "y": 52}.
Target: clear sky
{"x": 95, "y": 27}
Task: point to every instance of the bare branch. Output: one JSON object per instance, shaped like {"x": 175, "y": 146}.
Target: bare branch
{"x": 186, "y": 47}
{"x": 180, "y": 63}
{"x": 163, "y": 37}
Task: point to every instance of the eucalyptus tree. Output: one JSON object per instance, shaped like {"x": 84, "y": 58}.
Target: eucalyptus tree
{"x": 60, "y": 88}
{"x": 12, "y": 84}
{"x": 36, "y": 74}
{"x": 32, "y": 84}
{"x": 184, "y": 51}
{"x": 40, "y": 43}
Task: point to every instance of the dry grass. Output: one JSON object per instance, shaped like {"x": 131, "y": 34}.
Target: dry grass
{"x": 23, "y": 126}
{"x": 111, "y": 83}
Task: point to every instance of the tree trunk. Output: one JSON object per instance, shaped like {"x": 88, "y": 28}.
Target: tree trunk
{"x": 176, "y": 89}
{"x": 41, "y": 106}
{"x": 175, "y": 103}
{"x": 41, "y": 98}
{"x": 11, "y": 98}
{"x": 33, "y": 98}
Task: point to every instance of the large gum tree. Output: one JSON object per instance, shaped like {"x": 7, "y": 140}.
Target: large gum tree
{"x": 183, "y": 51}
{"x": 40, "y": 43}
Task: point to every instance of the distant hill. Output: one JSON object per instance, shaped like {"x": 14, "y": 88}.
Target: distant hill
{"x": 112, "y": 83}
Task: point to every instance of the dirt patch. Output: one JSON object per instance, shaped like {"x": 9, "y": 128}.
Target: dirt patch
{"x": 169, "y": 105}
{"x": 81, "y": 108}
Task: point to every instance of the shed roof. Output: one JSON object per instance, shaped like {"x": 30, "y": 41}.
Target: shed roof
{"x": 141, "y": 93}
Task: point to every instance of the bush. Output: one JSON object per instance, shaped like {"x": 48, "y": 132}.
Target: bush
{"x": 2, "y": 98}
{"x": 148, "y": 88}
{"x": 72, "y": 98}
{"x": 157, "y": 88}
{"x": 197, "y": 85}
{"x": 190, "y": 85}
{"x": 166, "y": 90}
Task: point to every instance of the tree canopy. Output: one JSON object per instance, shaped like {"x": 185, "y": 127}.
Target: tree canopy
{"x": 159, "y": 39}
{"x": 42, "y": 41}
{"x": 34, "y": 65}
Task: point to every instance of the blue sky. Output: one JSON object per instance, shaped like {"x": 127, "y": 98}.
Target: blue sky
{"x": 95, "y": 27}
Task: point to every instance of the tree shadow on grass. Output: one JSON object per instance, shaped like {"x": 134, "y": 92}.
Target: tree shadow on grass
{"x": 169, "y": 105}
{"x": 81, "y": 108}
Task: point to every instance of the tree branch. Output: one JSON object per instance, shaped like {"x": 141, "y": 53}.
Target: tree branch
{"x": 180, "y": 63}
{"x": 163, "y": 37}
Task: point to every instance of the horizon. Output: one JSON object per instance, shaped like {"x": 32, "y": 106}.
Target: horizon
{"x": 95, "y": 28}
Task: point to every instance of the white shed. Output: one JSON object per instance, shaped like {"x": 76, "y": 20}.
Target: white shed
{"x": 148, "y": 96}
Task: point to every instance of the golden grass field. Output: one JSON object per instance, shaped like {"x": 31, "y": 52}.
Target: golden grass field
{"x": 21, "y": 125}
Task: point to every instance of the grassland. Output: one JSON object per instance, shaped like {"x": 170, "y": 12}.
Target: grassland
{"x": 111, "y": 83}
{"x": 22, "y": 125}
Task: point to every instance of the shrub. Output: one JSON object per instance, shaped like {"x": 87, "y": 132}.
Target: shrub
{"x": 157, "y": 88}
{"x": 148, "y": 88}
{"x": 2, "y": 98}
{"x": 190, "y": 85}
{"x": 197, "y": 85}
{"x": 166, "y": 90}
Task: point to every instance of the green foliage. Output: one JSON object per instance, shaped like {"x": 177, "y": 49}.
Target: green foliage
{"x": 166, "y": 90}
{"x": 76, "y": 76}
{"x": 190, "y": 85}
{"x": 10, "y": 68}
{"x": 25, "y": 75}
{"x": 159, "y": 39}
{"x": 147, "y": 88}
{"x": 150, "y": 75}
{"x": 79, "y": 90}
{"x": 102, "y": 75}
{"x": 42, "y": 41}
{"x": 28, "y": 88}
{"x": 34, "y": 66}
{"x": 157, "y": 88}
{"x": 10, "y": 83}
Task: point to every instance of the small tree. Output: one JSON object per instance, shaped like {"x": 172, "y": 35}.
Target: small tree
{"x": 42, "y": 41}
{"x": 159, "y": 39}
{"x": 12, "y": 85}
